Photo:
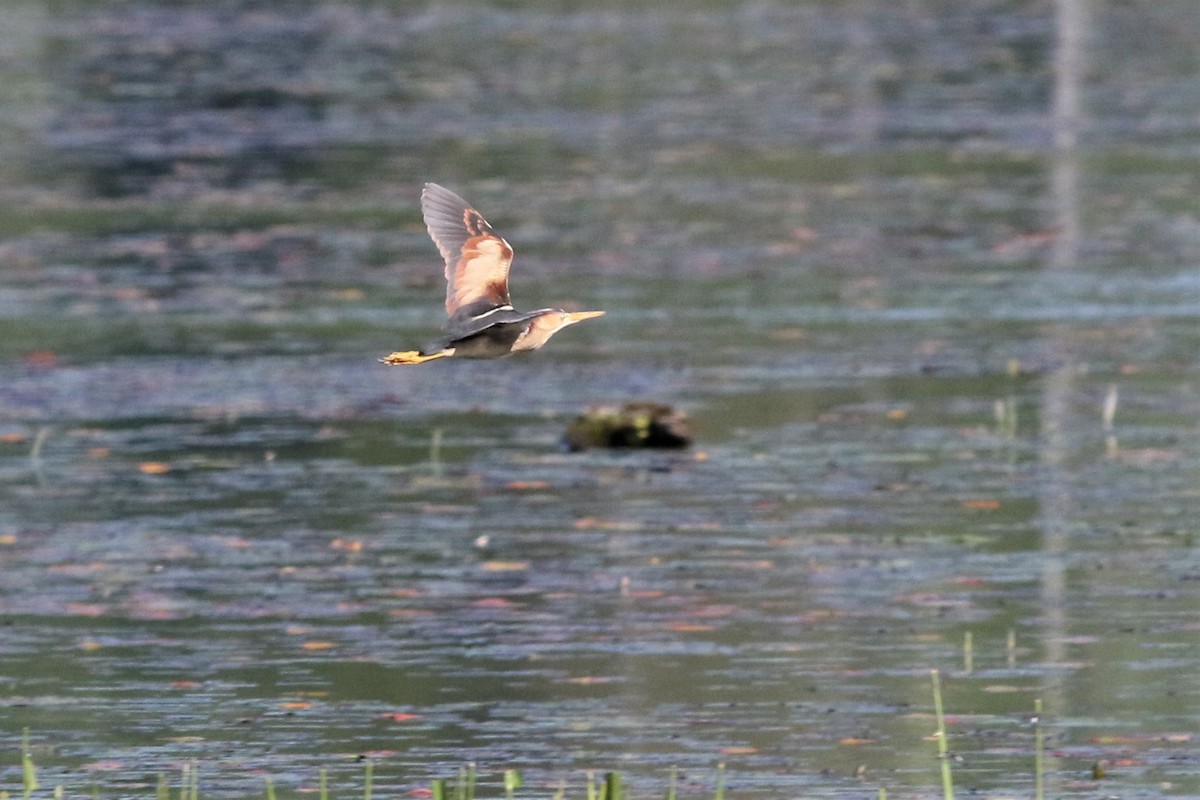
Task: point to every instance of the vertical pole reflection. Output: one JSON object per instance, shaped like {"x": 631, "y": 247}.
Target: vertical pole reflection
{"x": 1066, "y": 116}
{"x": 1055, "y": 499}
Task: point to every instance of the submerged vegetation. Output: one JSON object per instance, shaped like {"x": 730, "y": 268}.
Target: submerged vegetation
{"x": 608, "y": 785}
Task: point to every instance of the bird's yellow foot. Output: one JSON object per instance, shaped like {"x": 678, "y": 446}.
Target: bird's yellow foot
{"x": 413, "y": 357}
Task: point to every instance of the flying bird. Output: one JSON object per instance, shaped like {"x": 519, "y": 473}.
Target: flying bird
{"x": 482, "y": 321}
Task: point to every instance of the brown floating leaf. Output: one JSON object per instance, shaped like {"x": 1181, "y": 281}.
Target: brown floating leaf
{"x": 762, "y": 563}
{"x": 715, "y": 610}
{"x": 738, "y": 750}
{"x": 1139, "y": 738}
{"x": 154, "y": 468}
{"x": 295, "y": 705}
{"x": 317, "y": 645}
{"x": 78, "y": 570}
{"x": 1150, "y": 455}
{"x": 981, "y": 505}
{"x": 40, "y": 358}
{"x": 87, "y": 609}
{"x": 1023, "y": 242}
{"x": 491, "y": 602}
{"x": 527, "y": 485}
{"x": 788, "y": 335}
{"x": 855, "y": 740}
{"x": 399, "y": 716}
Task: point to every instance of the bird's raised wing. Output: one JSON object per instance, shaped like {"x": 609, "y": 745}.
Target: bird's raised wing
{"x": 477, "y": 260}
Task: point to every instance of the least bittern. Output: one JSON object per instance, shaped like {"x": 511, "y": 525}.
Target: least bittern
{"x": 483, "y": 322}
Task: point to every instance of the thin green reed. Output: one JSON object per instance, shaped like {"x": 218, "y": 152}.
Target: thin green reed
{"x": 512, "y": 782}
{"x": 943, "y": 746}
{"x": 612, "y": 784}
{"x": 29, "y": 781}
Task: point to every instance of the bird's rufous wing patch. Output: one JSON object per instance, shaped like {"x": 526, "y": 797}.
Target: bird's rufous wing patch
{"x": 477, "y": 260}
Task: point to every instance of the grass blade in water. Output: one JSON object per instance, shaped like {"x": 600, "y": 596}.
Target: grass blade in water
{"x": 943, "y": 747}
{"x": 612, "y": 786}
{"x": 512, "y": 782}
{"x": 29, "y": 781}
{"x": 464, "y": 789}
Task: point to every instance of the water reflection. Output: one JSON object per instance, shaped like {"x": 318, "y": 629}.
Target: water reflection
{"x": 1058, "y": 506}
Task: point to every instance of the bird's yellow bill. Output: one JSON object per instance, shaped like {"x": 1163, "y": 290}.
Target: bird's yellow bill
{"x": 580, "y": 316}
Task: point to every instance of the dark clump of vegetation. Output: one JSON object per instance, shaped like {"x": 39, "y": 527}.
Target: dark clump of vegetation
{"x": 640, "y": 425}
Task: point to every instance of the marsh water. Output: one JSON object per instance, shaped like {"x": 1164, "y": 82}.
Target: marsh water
{"x": 923, "y": 276}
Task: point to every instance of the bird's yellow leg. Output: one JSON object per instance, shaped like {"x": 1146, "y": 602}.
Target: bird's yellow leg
{"x": 414, "y": 357}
